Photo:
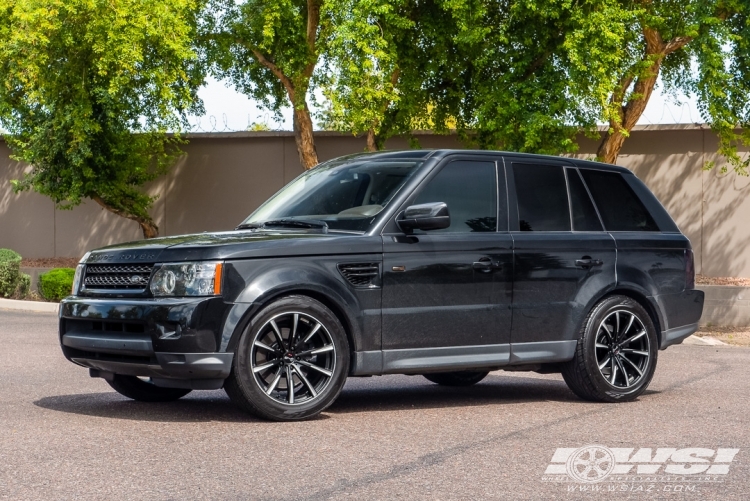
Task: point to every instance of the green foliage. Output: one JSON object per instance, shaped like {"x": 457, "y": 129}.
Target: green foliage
{"x": 237, "y": 33}
{"x": 523, "y": 75}
{"x": 10, "y": 262}
{"x": 90, "y": 89}
{"x": 24, "y": 286}
{"x": 528, "y": 75}
{"x": 56, "y": 284}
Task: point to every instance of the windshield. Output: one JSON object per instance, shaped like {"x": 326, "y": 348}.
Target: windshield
{"x": 346, "y": 195}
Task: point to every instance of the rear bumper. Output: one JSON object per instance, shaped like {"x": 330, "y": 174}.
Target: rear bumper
{"x": 165, "y": 339}
{"x": 681, "y": 313}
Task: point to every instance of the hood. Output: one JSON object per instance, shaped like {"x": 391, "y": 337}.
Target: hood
{"x": 235, "y": 245}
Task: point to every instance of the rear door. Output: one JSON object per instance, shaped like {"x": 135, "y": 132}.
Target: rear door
{"x": 563, "y": 258}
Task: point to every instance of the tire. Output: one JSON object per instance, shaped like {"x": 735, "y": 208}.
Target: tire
{"x": 461, "y": 378}
{"x": 143, "y": 391}
{"x": 271, "y": 350}
{"x": 616, "y": 354}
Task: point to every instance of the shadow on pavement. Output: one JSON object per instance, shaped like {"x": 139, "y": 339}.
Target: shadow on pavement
{"x": 359, "y": 395}
{"x": 196, "y": 407}
{"x": 494, "y": 390}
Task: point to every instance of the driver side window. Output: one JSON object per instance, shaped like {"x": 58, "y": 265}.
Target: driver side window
{"x": 469, "y": 188}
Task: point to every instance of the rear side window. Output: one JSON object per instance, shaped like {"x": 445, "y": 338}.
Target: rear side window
{"x": 584, "y": 213}
{"x": 469, "y": 188}
{"x": 620, "y": 208}
{"x": 542, "y": 198}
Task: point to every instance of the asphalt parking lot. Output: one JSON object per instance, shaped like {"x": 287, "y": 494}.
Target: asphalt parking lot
{"x": 67, "y": 436}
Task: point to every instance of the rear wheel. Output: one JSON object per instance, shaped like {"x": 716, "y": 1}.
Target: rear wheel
{"x": 291, "y": 361}
{"x": 143, "y": 390}
{"x": 616, "y": 354}
{"x": 460, "y": 378}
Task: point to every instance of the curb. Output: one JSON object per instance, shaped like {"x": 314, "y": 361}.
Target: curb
{"x": 35, "y": 306}
{"x": 703, "y": 341}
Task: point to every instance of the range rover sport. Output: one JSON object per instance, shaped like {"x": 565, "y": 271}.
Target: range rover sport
{"x": 445, "y": 263}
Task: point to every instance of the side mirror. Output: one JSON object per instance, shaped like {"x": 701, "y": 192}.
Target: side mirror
{"x": 432, "y": 216}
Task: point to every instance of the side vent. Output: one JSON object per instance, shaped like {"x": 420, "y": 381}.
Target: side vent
{"x": 360, "y": 274}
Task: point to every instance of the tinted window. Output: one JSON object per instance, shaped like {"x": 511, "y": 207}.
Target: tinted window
{"x": 469, "y": 189}
{"x": 584, "y": 213}
{"x": 618, "y": 205}
{"x": 542, "y": 198}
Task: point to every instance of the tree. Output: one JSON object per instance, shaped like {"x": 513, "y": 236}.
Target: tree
{"x": 510, "y": 74}
{"x": 698, "y": 47}
{"x": 90, "y": 90}
{"x": 269, "y": 50}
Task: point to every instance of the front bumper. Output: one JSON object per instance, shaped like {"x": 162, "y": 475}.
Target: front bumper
{"x": 169, "y": 340}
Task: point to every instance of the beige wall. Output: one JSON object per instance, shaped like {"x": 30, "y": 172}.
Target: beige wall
{"x": 224, "y": 177}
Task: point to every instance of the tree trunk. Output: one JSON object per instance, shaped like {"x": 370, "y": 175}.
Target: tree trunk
{"x": 371, "y": 144}
{"x": 148, "y": 227}
{"x": 303, "y": 136}
{"x": 635, "y": 103}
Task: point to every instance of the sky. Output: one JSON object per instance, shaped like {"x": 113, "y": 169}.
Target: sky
{"x": 228, "y": 110}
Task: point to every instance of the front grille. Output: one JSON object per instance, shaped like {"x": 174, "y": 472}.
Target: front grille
{"x": 133, "y": 277}
{"x": 360, "y": 274}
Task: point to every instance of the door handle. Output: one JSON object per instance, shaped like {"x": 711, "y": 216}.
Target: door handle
{"x": 587, "y": 262}
{"x": 485, "y": 265}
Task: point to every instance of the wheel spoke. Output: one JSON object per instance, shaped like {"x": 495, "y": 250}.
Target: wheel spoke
{"x": 294, "y": 329}
{"x": 630, "y": 324}
{"x": 614, "y": 372}
{"x": 640, "y": 373}
{"x": 277, "y": 333}
{"x": 264, "y": 346}
{"x": 311, "y": 333}
{"x": 305, "y": 382}
{"x": 603, "y": 346}
{"x": 273, "y": 384}
{"x": 322, "y": 349}
{"x": 633, "y": 338}
{"x": 261, "y": 368}
{"x": 617, "y": 328}
{"x": 604, "y": 364}
{"x": 635, "y": 352}
{"x": 315, "y": 367}
{"x": 289, "y": 384}
{"x": 624, "y": 372}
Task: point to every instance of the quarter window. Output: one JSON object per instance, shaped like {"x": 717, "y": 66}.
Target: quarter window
{"x": 620, "y": 208}
{"x": 584, "y": 213}
{"x": 542, "y": 198}
{"x": 469, "y": 189}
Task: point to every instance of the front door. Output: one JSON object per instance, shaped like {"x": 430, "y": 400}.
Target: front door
{"x": 447, "y": 293}
{"x": 563, "y": 260}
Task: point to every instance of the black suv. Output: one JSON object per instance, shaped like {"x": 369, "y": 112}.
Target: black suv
{"x": 445, "y": 263}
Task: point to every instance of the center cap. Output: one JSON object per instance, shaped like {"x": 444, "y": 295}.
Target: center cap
{"x": 289, "y": 355}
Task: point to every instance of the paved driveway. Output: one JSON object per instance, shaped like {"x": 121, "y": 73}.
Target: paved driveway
{"x": 67, "y": 436}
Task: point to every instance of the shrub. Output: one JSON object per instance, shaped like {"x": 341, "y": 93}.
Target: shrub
{"x": 10, "y": 262}
{"x": 56, "y": 284}
{"x": 24, "y": 286}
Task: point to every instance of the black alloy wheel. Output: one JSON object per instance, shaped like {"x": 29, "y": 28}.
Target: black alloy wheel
{"x": 291, "y": 361}
{"x": 616, "y": 354}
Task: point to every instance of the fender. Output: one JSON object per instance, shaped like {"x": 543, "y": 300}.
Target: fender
{"x": 254, "y": 283}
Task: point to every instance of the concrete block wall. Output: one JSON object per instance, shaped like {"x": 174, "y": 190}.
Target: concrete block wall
{"x": 223, "y": 177}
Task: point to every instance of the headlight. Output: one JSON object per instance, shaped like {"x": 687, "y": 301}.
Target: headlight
{"x": 187, "y": 279}
{"x": 77, "y": 279}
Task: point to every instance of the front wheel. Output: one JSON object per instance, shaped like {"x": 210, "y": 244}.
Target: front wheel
{"x": 291, "y": 361}
{"x": 615, "y": 358}
{"x": 143, "y": 390}
{"x": 460, "y": 378}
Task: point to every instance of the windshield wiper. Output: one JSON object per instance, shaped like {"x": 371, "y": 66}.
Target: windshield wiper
{"x": 287, "y": 223}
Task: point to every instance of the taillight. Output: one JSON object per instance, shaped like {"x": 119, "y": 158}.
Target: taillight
{"x": 689, "y": 269}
